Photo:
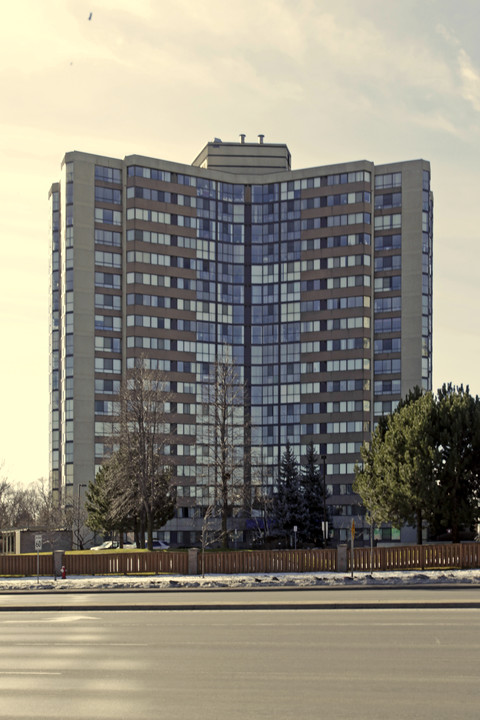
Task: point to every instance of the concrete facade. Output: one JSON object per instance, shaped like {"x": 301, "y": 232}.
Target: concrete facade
{"x": 317, "y": 280}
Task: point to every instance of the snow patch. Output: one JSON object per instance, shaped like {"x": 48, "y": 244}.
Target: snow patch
{"x": 178, "y": 582}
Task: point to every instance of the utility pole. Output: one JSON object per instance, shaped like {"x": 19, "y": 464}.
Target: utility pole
{"x": 324, "y": 458}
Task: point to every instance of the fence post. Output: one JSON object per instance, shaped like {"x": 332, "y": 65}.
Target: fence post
{"x": 342, "y": 558}
{"x": 193, "y": 561}
{"x": 58, "y": 561}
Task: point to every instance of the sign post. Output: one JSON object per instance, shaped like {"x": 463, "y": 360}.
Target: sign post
{"x": 325, "y": 532}
{"x": 38, "y": 547}
{"x": 352, "y": 538}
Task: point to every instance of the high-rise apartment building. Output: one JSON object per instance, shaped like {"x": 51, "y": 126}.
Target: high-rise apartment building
{"x": 318, "y": 281}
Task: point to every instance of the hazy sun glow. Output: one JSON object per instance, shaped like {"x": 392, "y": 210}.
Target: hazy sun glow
{"x": 335, "y": 81}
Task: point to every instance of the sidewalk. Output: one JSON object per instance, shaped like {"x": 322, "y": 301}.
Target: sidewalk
{"x": 345, "y": 597}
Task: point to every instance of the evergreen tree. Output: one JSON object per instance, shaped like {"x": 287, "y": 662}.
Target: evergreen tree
{"x": 98, "y": 503}
{"x": 396, "y": 482}
{"x": 457, "y": 466}
{"x": 289, "y": 509}
{"x": 423, "y": 463}
{"x": 313, "y": 496}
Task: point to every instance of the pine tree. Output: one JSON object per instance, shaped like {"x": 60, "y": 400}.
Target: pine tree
{"x": 98, "y": 503}
{"x": 457, "y": 467}
{"x": 396, "y": 482}
{"x": 313, "y": 496}
{"x": 423, "y": 463}
{"x": 289, "y": 508}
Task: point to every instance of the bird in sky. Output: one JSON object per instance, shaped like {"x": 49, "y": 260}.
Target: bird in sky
{"x": 90, "y": 16}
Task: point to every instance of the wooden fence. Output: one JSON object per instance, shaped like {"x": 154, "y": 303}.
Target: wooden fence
{"x": 26, "y": 564}
{"x": 410, "y": 557}
{"x": 407, "y": 557}
{"x": 118, "y": 563}
{"x": 268, "y": 561}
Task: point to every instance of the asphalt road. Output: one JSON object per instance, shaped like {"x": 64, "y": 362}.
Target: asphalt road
{"x": 302, "y": 664}
{"x": 234, "y": 599}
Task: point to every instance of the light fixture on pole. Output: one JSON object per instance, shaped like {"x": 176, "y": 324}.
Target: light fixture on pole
{"x": 324, "y": 458}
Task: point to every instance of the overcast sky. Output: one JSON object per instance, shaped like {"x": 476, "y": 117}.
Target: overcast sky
{"x": 337, "y": 81}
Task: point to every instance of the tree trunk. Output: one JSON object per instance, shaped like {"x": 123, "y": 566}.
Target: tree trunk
{"x": 225, "y": 478}
{"x": 419, "y": 528}
{"x": 455, "y": 526}
{"x": 149, "y": 519}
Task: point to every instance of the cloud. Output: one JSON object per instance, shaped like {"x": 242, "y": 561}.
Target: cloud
{"x": 447, "y": 34}
{"x": 470, "y": 88}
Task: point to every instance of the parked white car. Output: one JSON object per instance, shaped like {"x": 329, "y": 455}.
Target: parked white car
{"x": 157, "y": 545}
{"x": 107, "y": 545}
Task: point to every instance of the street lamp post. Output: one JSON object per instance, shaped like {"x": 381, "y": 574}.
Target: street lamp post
{"x": 324, "y": 458}
{"x": 79, "y": 542}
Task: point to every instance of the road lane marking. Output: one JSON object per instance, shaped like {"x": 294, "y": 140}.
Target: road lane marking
{"x": 28, "y": 672}
{"x": 72, "y": 643}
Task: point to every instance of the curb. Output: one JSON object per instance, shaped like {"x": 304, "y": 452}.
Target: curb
{"x": 251, "y": 589}
{"x": 442, "y": 605}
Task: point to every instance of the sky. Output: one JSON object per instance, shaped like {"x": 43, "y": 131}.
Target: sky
{"x": 336, "y": 81}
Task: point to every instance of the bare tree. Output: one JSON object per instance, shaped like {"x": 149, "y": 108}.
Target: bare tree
{"x": 139, "y": 465}
{"x": 211, "y": 532}
{"x": 262, "y": 507}
{"x": 76, "y": 517}
{"x": 17, "y": 505}
{"x": 34, "y": 507}
{"x": 48, "y": 512}
{"x": 221, "y": 430}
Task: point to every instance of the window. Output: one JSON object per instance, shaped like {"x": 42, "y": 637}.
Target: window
{"x": 348, "y": 365}
{"x": 348, "y": 261}
{"x": 392, "y": 282}
{"x": 107, "y": 174}
{"x": 112, "y": 302}
{"x": 348, "y": 281}
{"x": 108, "y": 365}
{"x": 107, "y": 344}
{"x": 388, "y": 262}
{"x": 332, "y": 200}
{"x": 388, "y": 200}
{"x": 388, "y": 325}
{"x": 384, "y": 407}
{"x": 336, "y": 221}
{"x": 108, "y": 280}
{"x": 389, "y": 180}
{"x": 108, "y": 237}
{"x": 154, "y": 322}
{"x": 108, "y": 195}
{"x": 387, "y": 387}
{"x": 388, "y": 346}
{"x": 107, "y": 387}
{"x": 108, "y": 259}
{"x": 386, "y": 367}
{"x": 388, "y": 242}
{"x": 108, "y": 322}
{"x": 149, "y": 343}
{"x": 151, "y": 173}
{"x": 336, "y": 241}
{"x": 388, "y": 304}
{"x": 387, "y": 222}
{"x": 108, "y": 217}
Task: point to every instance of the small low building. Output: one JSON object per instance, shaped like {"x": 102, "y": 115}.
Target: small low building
{"x": 16, "y": 541}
